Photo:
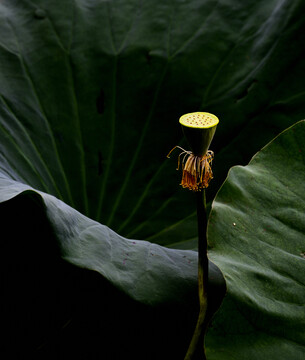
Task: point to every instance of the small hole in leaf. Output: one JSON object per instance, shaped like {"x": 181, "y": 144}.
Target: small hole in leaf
{"x": 246, "y": 91}
{"x": 148, "y": 57}
{"x": 40, "y": 14}
{"x": 100, "y": 102}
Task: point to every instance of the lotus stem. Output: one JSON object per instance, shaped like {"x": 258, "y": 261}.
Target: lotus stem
{"x": 203, "y": 275}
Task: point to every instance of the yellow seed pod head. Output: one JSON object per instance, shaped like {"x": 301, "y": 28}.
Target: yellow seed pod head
{"x": 199, "y": 129}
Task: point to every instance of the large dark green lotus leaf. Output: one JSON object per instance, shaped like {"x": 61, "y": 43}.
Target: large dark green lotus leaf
{"x": 91, "y": 93}
{"x": 52, "y": 309}
{"x": 257, "y": 238}
{"x": 147, "y": 272}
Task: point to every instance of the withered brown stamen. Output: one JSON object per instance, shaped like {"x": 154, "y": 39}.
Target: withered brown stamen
{"x": 196, "y": 170}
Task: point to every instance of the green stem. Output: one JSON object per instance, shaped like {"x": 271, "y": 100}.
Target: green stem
{"x": 203, "y": 268}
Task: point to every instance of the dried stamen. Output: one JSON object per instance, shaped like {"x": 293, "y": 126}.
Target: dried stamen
{"x": 196, "y": 170}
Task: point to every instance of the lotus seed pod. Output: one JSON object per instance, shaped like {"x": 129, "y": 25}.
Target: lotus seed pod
{"x": 199, "y": 129}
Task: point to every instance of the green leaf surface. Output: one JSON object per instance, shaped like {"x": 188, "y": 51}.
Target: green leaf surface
{"x": 52, "y": 309}
{"x": 257, "y": 238}
{"x": 147, "y": 272}
{"x": 90, "y": 96}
